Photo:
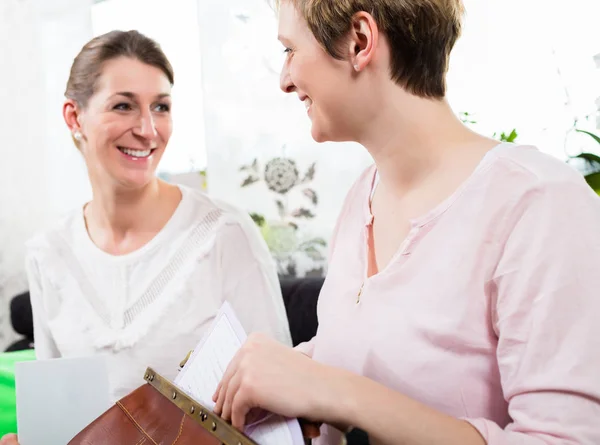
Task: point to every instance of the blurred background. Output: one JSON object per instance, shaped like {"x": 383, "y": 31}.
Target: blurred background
{"x": 526, "y": 71}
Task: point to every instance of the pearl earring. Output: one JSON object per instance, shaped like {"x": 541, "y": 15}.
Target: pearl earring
{"x": 356, "y": 67}
{"x": 77, "y": 135}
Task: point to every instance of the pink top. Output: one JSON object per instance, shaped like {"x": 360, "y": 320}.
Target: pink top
{"x": 490, "y": 310}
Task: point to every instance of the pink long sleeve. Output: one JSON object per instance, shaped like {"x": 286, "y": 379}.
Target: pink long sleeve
{"x": 548, "y": 320}
{"x": 489, "y": 311}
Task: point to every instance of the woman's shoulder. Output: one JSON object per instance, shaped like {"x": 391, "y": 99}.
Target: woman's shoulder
{"x": 228, "y": 225}
{"x": 364, "y": 183}
{"x": 204, "y": 206}
{"x": 58, "y": 231}
{"x": 540, "y": 191}
{"x": 530, "y": 168}
{"x": 357, "y": 197}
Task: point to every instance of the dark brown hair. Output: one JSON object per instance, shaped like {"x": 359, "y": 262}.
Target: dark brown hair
{"x": 87, "y": 66}
{"x": 421, "y": 34}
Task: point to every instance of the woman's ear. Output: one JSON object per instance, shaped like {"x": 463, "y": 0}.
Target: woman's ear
{"x": 363, "y": 38}
{"x": 71, "y": 115}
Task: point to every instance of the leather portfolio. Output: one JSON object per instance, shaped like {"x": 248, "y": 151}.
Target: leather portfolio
{"x": 158, "y": 413}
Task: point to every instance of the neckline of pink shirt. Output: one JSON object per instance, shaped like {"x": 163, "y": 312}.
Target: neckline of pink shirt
{"x": 439, "y": 209}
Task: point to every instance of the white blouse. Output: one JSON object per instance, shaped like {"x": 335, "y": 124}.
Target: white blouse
{"x": 152, "y": 306}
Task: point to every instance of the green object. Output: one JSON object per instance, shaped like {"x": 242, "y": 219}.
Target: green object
{"x": 591, "y": 169}
{"x": 8, "y": 402}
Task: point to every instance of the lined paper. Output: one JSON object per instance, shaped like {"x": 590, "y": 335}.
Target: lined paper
{"x": 204, "y": 370}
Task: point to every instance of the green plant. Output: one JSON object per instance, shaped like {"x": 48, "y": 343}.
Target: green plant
{"x": 466, "y": 117}
{"x": 469, "y": 118}
{"x": 590, "y": 167}
{"x": 510, "y": 137}
{"x": 258, "y": 219}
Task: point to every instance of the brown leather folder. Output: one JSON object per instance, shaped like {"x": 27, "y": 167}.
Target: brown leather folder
{"x": 158, "y": 413}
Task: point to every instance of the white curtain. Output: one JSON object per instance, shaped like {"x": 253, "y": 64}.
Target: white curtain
{"x": 42, "y": 175}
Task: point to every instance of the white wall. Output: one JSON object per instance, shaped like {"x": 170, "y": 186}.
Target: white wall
{"x": 41, "y": 173}
{"x": 518, "y": 60}
{"x": 174, "y": 26}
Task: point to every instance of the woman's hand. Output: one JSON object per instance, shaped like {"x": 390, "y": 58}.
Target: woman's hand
{"x": 266, "y": 374}
{"x": 9, "y": 439}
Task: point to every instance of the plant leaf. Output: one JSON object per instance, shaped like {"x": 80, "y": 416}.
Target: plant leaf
{"x": 466, "y": 117}
{"x": 280, "y": 208}
{"x": 249, "y": 180}
{"x": 258, "y": 219}
{"x": 592, "y": 135}
{"x": 593, "y": 180}
{"x": 314, "y": 254}
{"x": 512, "y": 136}
{"x": 302, "y": 213}
{"x": 589, "y": 157}
{"x": 312, "y": 195}
{"x": 313, "y": 242}
{"x": 310, "y": 173}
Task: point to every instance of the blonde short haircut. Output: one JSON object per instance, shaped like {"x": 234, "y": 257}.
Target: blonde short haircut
{"x": 421, "y": 35}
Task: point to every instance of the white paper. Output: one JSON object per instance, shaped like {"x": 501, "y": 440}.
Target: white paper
{"x": 204, "y": 370}
{"x": 58, "y": 398}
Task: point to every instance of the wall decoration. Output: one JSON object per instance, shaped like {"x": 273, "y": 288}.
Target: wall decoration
{"x": 296, "y": 202}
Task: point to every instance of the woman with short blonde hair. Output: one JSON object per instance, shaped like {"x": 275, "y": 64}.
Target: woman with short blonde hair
{"x": 461, "y": 302}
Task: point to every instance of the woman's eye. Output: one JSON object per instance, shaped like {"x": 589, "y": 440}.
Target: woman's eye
{"x": 122, "y": 107}
{"x": 163, "y": 108}
{"x": 287, "y": 50}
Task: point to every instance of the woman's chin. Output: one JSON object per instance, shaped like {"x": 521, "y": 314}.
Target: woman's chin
{"x": 135, "y": 180}
{"x": 318, "y": 134}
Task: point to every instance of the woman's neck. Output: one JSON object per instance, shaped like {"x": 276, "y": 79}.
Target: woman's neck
{"x": 420, "y": 138}
{"x": 120, "y": 220}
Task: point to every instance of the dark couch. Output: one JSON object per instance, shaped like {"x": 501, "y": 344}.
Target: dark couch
{"x": 21, "y": 319}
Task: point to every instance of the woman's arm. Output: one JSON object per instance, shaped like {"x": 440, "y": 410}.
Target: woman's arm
{"x": 268, "y": 375}
{"x": 546, "y": 311}
{"x": 546, "y": 314}
{"x": 307, "y": 347}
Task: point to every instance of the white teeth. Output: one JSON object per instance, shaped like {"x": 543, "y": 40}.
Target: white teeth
{"x": 307, "y": 103}
{"x": 136, "y": 153}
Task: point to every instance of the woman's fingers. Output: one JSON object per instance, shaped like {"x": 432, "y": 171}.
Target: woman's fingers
{"x": 265, "y": 374}
{"x": 222, "y": 388}
{"x": 232, "y": 390}
{"x": 9, "y": 439}
{"x": 220, "y": 399}
{"x": 215, "y": 396}
{"x": 239, "y": 409}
